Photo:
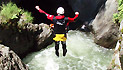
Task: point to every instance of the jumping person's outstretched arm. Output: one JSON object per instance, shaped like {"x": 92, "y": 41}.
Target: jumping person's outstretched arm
{"x": 73, "y": 19}
{"x": 41, "y": 11}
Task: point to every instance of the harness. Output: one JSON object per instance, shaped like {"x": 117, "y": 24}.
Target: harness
{"x": 60, "y": 25}
{"x": 60, "y": 29}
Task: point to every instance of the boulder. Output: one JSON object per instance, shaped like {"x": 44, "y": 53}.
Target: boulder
{"x": 9, "y": 60}
{"x": 105, "y": 30}
{"x": 45, "y": 37}
{"x": 34, "y": 37}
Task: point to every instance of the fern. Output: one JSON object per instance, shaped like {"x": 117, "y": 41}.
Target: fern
{"x": 10, "y": 13}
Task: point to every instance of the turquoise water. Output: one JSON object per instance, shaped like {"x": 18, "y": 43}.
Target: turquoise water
{"x": 83, "y": 54}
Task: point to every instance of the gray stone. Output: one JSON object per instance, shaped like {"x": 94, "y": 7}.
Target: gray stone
{"x": 32, "y": 38}
{"x": 105, "y": 31}
{"x": 9, "y": 60}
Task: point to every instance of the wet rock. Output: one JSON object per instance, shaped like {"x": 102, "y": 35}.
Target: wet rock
{"x": 121, "y": 51}
{"x": 9, "y": 60}
{"x": 32, "y": 38}
{"x": 44, "y": 37}
{"x": 105, "y": 31}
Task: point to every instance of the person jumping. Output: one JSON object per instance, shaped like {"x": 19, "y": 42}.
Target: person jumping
{"x": 60, "y": 24}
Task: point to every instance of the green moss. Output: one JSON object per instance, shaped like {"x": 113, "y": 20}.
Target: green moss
{"x": 122, "y": 30}
{"x": 9, "y": 11}
{"x": 10, "y": 15}
{"x": 118, "y": 17}
{"x": 27, "y": 17}
{"x": 120, "y": 2}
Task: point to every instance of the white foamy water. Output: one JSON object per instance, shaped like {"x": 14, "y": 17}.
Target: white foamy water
{"x": 83, "y": 54}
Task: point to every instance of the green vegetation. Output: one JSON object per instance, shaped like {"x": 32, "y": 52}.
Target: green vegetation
{"x": 118, "y": 17}
{"x": 11, "y": 15}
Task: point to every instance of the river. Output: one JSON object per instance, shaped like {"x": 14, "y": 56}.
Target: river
{"x": 83, "y": 54}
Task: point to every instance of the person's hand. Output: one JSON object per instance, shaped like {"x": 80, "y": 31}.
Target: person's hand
{"x": 37, "y": 7}
{"x": 77, "y": 13}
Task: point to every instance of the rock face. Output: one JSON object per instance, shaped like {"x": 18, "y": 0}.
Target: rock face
{"x": 121, "y": 51}
{"x": 87, "y": 8}
{"x": 45, "y": 37}
{"x": 105, "y": 31}
{"x": 34, "y": 37}
{"x": 9, "y": 60}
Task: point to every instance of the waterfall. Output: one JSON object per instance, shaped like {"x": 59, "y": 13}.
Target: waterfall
{"x": 83, "y": 54}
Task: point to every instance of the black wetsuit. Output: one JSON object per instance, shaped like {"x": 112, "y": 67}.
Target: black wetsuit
{"x": 59, "y": 28}
{"x": 60, "y": 24}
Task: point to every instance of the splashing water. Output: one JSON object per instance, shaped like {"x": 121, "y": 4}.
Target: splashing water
{"x": 83, "y": 54}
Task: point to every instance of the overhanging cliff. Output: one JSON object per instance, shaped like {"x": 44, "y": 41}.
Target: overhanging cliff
{"x": 87, "y": 8}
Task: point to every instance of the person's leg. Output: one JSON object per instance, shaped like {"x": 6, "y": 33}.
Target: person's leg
{"x": 57, "y": 48}
{"x": 64, "y": 47}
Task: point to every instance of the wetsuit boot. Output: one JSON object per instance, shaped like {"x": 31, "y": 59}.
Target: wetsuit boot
{"x": 57, "y": 48}
{"x": 57, "y": 53}
{"x": 64, "y": 48}
{"x": 64, "y": 52}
